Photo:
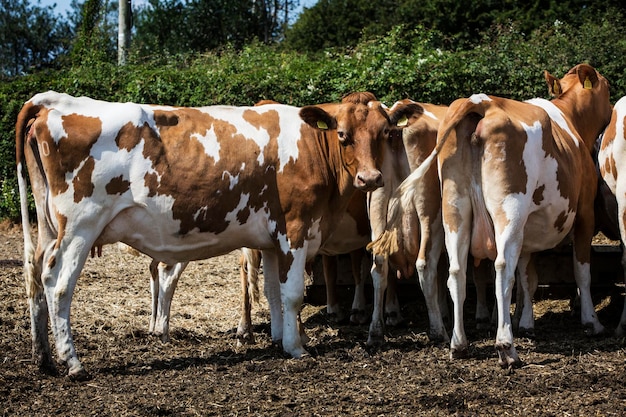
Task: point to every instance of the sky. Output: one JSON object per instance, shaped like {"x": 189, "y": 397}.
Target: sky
{"x": 62, "y": 6}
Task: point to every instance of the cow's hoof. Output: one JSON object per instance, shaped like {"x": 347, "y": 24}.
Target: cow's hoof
{"x": 394, "y": 319}
{"x": 436, "y": 336}
{"x": 483, "y": 324}
{"x": 358, "y": 317}
{"x": 78, "y": 374}
{"x": 526, "y": 332}
{"x": 246, "y": 338}
{"x": 459, "y": 353}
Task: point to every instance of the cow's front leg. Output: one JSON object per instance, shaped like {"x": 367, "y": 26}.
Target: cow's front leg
{"x": 167, "y": 277}
{"x": 292, "y": 295}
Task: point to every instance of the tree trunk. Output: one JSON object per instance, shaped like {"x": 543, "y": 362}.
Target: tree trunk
{"x": 123, "y": 36}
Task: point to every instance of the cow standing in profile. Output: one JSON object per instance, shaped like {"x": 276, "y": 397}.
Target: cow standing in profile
{"x": 182, "y": 184}
{"x": 517, "y": 178}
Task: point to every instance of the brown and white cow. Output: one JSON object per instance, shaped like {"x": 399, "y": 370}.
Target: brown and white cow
{"x": 351, "y": 235}
{"x": 182, "y": 184}
{"x": 517, "y": 178}
{"x": 612, "y": 164}
{"x": 421, "y": 234}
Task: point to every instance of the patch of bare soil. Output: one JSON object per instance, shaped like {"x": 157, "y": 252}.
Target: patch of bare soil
{"x": 202, "y": 371}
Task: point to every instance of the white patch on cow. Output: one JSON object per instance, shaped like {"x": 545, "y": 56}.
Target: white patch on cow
{"x": 479, "y": 98}
{"x": 233, "y": 180}
{"x": 541, "y": 169}
{"x": 243, "y": 203}
{"x": 290, "y": 121}
{"x": 283, "y": 241}
{"x": 209, "y": 143}
{"x": 556, "y": 115}
{"x": 430, "y": 114}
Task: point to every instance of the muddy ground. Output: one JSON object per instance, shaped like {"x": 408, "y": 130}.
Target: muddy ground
{"x": 202, "y": 371}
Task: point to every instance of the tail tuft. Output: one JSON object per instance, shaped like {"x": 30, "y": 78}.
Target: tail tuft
{"x": 386, "y": 244}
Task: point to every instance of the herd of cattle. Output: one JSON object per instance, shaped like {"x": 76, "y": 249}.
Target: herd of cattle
{"x": 181, "y": 184}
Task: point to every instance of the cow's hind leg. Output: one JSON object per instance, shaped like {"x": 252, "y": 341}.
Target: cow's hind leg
{"x": 380, "y": 268}
{"x": 527, "y": 281}
{"x": 621, "y": 327}
{"x": 60, "y": 274}
{"x": 42, "y": 356}
{"x": 249, "y": 266}
{"x": 505, "y": 265}
{"x": 361, "y": 264}
{"x": 38, "y": 306}
{"x": 333, "y": 309}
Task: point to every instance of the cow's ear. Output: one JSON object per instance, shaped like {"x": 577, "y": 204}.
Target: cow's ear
{"x": 406, "y": 114}
{"x": 587, "y": 76}
{"x": 554, "y": 85}
{"x": 318, "y": 118}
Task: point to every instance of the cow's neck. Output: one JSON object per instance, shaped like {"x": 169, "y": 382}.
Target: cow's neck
{"x": 585, "y": 120}
{"x": 338, "y": 177}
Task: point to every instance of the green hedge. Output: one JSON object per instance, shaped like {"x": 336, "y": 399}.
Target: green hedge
{"x": 407, "y": 62}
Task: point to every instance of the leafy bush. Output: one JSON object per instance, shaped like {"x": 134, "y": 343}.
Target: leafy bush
{"x": 406, "y": 62}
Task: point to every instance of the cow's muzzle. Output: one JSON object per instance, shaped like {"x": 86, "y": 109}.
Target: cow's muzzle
{"x": 369, "y": 180}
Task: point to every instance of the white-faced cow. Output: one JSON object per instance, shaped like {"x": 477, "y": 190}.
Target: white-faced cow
{"x": 182, "y": 184}
{"x": 517, "y": 178}
{"x": 420, "y": 239}
{"x": 612, "y": 163}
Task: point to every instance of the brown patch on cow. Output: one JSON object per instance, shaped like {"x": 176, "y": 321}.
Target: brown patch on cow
{"x": 200, "y": 184}
{"x": 243, "y": 215}
{"x": 559, "y": 223}
{"x": 117, "y": 185}
{"x": 166, "y": 118}
{"x": 83, "y": 185}
{"x": 613, "y": 167}
{"x": 82, "y": 133}
{"x": 129, "y": 136}
{"x": 268, "y": 121}
{"x": 538, "y": 195}
{"x": 610, "y": 132}
{"x": 68, "y": 153}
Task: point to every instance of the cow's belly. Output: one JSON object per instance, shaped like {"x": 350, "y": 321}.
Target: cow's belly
{"x": 345, "y": 238}
{"x": 158, "y": 237}
{"x": 546, "y": 228}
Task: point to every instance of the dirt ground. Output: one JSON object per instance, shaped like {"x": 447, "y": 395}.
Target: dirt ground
{"x": 202, "y": 371}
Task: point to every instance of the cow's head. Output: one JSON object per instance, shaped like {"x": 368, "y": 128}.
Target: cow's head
{"x": 585, "y": 93}
{"x": 360, "y": 125}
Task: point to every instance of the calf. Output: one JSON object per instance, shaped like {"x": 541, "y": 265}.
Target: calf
{"x": 182, "y": 184}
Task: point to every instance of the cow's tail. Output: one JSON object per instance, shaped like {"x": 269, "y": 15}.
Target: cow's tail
{"x": 402, "y": 198}
{"x": 251, "y": 263}
{"x": 22, "y": 134}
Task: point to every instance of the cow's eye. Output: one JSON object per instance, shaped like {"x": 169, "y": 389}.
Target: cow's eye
{"x": 344, "y": 139}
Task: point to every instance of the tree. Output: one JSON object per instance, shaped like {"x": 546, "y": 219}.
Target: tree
{"x": 344, "y": 23}
{"x": 31, "y": 37}
{"x": 96, "y": 37}
{"x": 179, "y": 26}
